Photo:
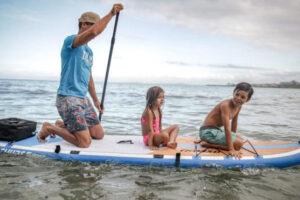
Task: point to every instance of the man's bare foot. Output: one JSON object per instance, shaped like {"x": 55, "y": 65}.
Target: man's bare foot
{"x": 44, "y": 132}
{"x": 172, "y": 145}
{"x": 60, "y": 124}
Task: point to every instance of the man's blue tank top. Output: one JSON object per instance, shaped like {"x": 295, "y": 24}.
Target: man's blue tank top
{"x": 76, "y": 64}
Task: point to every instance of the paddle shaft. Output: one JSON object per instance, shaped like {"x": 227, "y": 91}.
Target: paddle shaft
{"x": 108, "y": 64}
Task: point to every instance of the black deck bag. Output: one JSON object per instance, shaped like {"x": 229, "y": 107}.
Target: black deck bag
{"x": 14, "y": 129}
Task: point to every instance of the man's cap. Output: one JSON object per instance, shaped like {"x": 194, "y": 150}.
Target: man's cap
{"x": 89, "y": 17}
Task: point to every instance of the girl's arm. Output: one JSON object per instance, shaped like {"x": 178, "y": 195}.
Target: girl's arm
{"x": 160, "y": 119}
{"x": 149, "y": 119}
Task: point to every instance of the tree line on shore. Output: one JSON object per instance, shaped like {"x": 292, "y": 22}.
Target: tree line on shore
{"x": 290, "y": 84}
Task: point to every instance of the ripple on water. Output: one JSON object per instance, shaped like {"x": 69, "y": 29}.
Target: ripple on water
{"x": 264, "y": 118}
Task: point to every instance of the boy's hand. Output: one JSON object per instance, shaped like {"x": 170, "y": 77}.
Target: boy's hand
{"x": 116, "y": 8}
{"x": 235, "y": 154}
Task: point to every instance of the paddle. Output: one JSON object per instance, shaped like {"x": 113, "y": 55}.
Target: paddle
{"x": 108, "y": 64}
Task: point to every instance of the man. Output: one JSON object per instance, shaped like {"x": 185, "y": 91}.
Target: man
{"x": 80, "y": 122}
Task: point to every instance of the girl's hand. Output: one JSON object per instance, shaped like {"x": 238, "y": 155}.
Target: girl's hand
{"x": 153, "y": 147}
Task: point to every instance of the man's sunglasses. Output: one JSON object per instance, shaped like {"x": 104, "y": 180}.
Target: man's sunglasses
{"x": 89, "y": 23}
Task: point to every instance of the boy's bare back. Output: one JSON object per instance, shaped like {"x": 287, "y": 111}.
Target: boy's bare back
{"x": 225, "y": 109}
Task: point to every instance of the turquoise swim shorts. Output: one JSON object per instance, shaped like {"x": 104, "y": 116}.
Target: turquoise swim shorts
{"x": 214, "y": 135}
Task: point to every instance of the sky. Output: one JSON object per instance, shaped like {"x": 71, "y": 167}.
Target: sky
{"x": 158, "y": 41}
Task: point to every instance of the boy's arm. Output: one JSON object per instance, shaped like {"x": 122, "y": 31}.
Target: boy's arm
{"x": 226, "y": 122}
{"x": 234, "y": 122}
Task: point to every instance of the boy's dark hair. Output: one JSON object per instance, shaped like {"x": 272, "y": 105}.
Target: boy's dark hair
{"x": 244, "y": 87}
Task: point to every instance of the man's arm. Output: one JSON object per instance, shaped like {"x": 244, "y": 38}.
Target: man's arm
{"x": 97, "y": 28}
{"x": 93, "y": 94}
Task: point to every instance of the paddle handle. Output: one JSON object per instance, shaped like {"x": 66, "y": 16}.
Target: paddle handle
{"x": 108, "y": 65}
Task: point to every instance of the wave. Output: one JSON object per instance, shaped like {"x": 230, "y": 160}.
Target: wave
{"x": 274, "y": 125}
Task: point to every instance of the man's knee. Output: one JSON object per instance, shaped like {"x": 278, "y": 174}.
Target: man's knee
{"x": 84, "y": 143}
{"x": 99, "y": 137}
{"x": 96, "y": 132}
{"x": 83, "y": 139}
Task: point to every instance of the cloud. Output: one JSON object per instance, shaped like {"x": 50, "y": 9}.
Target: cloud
{"x": 231, "y": 66}
{"x": 225, "y": 66}
{"x": 24, "y": 17}
{"x": 17, "y": 11}
{"x": 220, "y": 74}
{"x": 271, "y": 23}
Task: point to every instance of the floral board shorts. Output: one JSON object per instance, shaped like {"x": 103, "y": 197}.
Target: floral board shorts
{"x": 77, "y": 113}
{"x": 214, "y": 135}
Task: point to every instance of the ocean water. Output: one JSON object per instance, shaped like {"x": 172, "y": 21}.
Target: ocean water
{"x": 272, "y": 114}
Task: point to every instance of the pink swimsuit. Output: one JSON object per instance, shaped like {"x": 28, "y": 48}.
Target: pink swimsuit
{"x": 156, "y": 127}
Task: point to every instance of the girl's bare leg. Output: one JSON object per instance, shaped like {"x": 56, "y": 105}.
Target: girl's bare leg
{"x": 158, "y": 139}
{"x": 172, "y": 132}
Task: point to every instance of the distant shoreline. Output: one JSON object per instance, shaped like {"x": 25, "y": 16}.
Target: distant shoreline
{"x": 291, "y": 84}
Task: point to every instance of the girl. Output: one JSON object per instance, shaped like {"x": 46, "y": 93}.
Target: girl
{"x": 151, "y": 122}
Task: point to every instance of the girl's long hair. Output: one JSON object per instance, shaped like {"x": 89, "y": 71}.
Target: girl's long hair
{"x": 152, "y": 95}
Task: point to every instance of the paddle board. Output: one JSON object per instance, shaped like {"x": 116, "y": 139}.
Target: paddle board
{"x": 129, "y": 149}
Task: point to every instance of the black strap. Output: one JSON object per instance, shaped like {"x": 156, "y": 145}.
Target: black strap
{"x": 160, "y": 156}
{"x": 74, "y": 152}
{"x": 125, "y": 141}
{"x": 198, "y": 152}
{"x": 177, "y": 159}
{"x": 57, "y": 149}
{"x": 255, "y": 152}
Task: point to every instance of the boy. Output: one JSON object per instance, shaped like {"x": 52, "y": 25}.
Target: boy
{"x": 210, "y": 133}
